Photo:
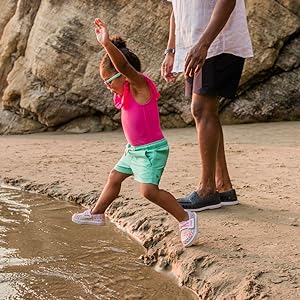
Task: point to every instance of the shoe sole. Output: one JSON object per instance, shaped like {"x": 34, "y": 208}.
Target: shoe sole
{"x": 87, "y": 222}
{"x": 204, "y": 208}
{"x": 227, "y": 203}
{"x": 195, "y": 233}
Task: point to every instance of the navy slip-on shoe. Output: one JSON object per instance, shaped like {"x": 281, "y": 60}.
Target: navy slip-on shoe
{"x": 194, "y": 202}
{"x": 229, "y": 198}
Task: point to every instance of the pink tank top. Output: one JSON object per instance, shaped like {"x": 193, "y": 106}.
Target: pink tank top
{"x": 140, "y": 122}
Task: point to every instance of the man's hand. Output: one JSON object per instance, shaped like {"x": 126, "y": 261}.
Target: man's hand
{"x": 166, "y": 68}
{"x": 101, "y": 32}
{"x": 195, "y": 59}
{"x": 220, "y": 15}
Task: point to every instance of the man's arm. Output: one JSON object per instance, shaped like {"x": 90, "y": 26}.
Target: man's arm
{"x": 167, "y": 65}
{"x": 219, "y": 18}
{"x": 171, "y": 41}
{"x": 196, "y": 57}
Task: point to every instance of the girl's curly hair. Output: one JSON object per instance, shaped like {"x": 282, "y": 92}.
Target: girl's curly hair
{"x": 130, "y": 56}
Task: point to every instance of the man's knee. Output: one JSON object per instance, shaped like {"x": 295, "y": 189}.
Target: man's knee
{"x": 204, "y": 107}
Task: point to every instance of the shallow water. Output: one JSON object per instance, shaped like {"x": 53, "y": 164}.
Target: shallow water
{"x": 43, "y": 255}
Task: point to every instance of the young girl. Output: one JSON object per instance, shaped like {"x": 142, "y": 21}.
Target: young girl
{"x": 147, "y": 150}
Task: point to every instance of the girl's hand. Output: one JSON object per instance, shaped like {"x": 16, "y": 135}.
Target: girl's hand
{"x": 101, "y": 32}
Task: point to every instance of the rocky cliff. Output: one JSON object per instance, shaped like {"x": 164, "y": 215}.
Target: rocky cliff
{"x": 49, "y": 64}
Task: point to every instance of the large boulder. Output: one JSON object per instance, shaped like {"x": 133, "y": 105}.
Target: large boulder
{"x": 49, "y": 61}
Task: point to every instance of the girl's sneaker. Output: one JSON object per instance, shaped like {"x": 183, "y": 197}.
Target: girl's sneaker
{"x": 87, "y": 217}
{"x": 189, "y": 229}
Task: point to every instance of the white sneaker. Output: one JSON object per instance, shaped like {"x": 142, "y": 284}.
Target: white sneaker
{"x": 87, "y": 217}
{"x": 189, "y": 229}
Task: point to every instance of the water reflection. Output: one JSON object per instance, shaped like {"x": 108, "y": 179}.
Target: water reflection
{"x": 43, "y": 255}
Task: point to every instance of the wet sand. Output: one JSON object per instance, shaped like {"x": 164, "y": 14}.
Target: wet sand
{"x": 249, "y": 251}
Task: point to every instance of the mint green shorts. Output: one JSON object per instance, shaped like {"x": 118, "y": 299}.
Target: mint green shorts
{"x": 146, "y": 163}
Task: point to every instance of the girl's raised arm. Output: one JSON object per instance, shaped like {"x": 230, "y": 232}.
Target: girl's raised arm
{"x": 117, "y": 57}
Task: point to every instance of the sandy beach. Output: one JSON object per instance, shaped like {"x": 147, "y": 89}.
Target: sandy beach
{"x": 248, "y": 251}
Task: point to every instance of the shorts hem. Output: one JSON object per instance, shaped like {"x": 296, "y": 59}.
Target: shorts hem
{"x": 122, "y": 170}
{"x": 214, "y": 94}
{"x": 147, "y": 181}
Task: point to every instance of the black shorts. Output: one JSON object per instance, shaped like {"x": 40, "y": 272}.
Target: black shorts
{"x": 219, "y": 76}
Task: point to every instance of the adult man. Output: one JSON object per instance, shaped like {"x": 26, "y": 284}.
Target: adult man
{"x": 209, "y": 41}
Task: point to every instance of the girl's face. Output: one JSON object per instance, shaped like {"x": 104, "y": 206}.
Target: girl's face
{"x": 113, "y": 80}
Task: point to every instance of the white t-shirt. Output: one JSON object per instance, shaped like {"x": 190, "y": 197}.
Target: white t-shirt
{"x": 192, "y": 18}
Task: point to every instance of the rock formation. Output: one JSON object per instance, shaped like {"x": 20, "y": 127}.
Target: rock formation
{"x": 49, "y": 64}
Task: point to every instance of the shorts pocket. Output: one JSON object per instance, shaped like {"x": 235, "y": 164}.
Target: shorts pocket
{"x": 158, "y": 157}
{"x": 139, "y": 159}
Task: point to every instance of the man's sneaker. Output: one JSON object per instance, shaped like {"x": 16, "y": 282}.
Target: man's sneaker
{"x": 194, "y": 202}
{"x": 87, "y": 217}
{"x": 229, "y": 198}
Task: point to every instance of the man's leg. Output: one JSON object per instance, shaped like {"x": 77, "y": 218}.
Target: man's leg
{"x": 214, "y": 176}
{"x": 215, "y": 71}
{"x": 223, "y": 182}
{"x": 205, "y": 112}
